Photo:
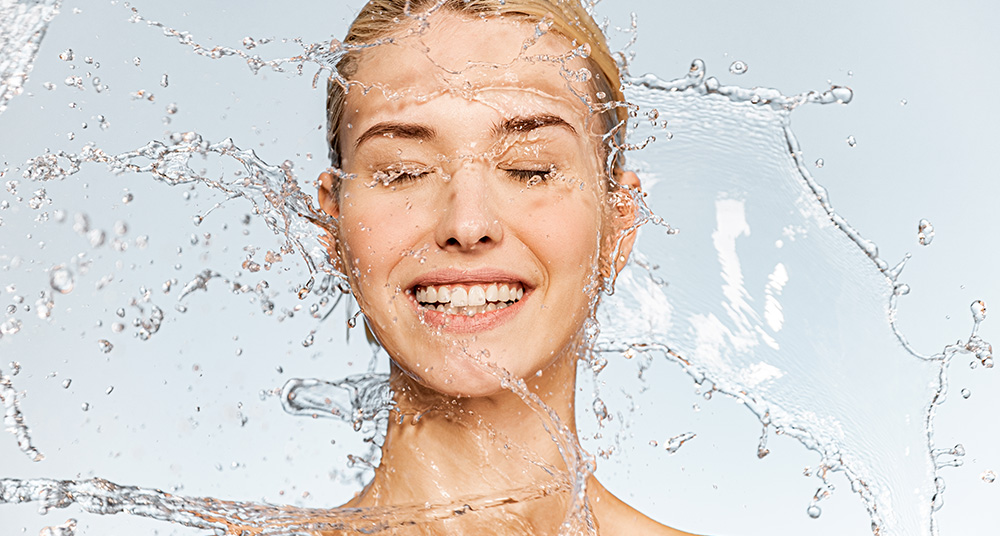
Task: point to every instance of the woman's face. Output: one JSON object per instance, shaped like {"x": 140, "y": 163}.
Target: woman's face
{"x": 471, "y": 231}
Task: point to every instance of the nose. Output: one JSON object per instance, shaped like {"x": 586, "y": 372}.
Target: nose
{"x": 468, "y": 219}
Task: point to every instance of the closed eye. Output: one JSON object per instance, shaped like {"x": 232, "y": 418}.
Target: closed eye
{"x": 525, "y": 175}
{"x": 401, "y": 175}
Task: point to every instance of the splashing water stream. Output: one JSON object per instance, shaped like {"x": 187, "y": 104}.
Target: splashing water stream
{"x": 792, "y": 278}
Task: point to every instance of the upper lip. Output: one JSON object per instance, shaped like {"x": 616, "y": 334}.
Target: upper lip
{"x": 451, "y": 276}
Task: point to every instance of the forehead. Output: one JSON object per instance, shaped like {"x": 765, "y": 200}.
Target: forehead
{"x": 501, "y": 60}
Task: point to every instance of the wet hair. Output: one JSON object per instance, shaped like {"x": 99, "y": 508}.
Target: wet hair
{"x": 381, "y": 19}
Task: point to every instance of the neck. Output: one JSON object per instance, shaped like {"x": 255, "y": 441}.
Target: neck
{"x": 440, "y": 449}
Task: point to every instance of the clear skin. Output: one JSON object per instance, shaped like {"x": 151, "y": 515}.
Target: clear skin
{"x": 444, "y": 195}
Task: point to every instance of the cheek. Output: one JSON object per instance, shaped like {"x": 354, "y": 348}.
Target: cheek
{"x": 375, "y": 236}
{"x": 563, "y": 231}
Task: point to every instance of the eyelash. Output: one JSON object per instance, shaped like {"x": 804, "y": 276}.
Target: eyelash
{"x": 525, "y": 175}
{"x": 399, "y": 176}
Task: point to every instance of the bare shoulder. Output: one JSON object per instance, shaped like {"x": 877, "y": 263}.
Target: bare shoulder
{"x": 615, "y": 518}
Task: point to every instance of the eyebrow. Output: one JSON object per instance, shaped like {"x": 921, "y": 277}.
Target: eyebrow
{"x": 413, "y": 131}
{"x": 520, "y": 125}
{"x": 396, "y": 130}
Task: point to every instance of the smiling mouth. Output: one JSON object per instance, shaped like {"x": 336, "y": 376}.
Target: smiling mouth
{"x": 468, "y": 300}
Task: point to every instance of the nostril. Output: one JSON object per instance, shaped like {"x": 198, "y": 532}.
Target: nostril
{"x": 453, "y": 242}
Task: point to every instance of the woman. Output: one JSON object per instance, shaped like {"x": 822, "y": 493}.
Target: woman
{"x": 481, "y": 209}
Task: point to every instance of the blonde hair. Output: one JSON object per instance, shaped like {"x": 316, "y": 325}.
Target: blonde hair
{"x": 380, "y": 19}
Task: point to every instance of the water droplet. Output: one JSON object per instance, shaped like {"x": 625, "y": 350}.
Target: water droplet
{"x": 105, "y": 345}
{"x": 85, "y": 406}
{"x": 851, "y": 141}
{"x": 136, "y": 61}
{"x": 819, "y": 162}
{"x": 172, "y": 108}
{"x": 600, "y": 411}
{"x": 989, "y": 477}
{"x": 164, "y": 80}
{"x": 95, "y": 237}
{"x": 61, "y": 280}
{"x": 66, "y": 383}
{"x": 978, "y": 310}
{"x": 67, "y": 55}
{"x": 925, "y": 233}
{"x": 127, "y": 198}
{"x": 966, "y": 393}
{"x": 738, "y": 67}
{"x": 109, "y": 389}
{"x": 814, "y": 511}
{"x": 120, "y": 312}
{"x": 902, "y": 102}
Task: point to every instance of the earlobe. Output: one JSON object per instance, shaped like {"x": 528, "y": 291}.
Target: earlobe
{"x": 627, "y": 209}
{"x": 327, "y": 199}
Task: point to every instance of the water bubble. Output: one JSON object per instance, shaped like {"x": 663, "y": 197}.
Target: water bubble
{"x": 966, "y": 393}
{"x": 820, "y": 162}
{"x": 61, "y": 279}
{"x": 104, "y": 345}
{"x": 989, "y": 477}
{"x": 851, "y": 141}
{"x": 814, "y": 511}
{"x": 738, "y": 67}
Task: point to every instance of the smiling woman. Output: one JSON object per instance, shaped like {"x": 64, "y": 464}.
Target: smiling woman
{"x": 481, "y": 208}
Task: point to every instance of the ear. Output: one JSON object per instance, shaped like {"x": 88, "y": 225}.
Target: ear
{"x": 626, "y": 211}
{"x": 327, "y": 199}
{"x": 329, "y": 204}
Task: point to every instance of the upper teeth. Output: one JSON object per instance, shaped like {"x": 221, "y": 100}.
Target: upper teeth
{"x": 470, "y": 295}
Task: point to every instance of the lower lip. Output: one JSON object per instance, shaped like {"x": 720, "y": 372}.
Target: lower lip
{"x": 469, "y": 324}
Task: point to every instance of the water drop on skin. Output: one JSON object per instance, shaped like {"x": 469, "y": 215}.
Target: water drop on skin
{"x": 738, "y": 67}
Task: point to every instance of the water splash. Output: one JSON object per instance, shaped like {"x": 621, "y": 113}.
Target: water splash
{"x": 711, "y": 322}
{"x": 750, "y": 385}
{"x": 24, "y": 26}
{"x": 13, "y": 419}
